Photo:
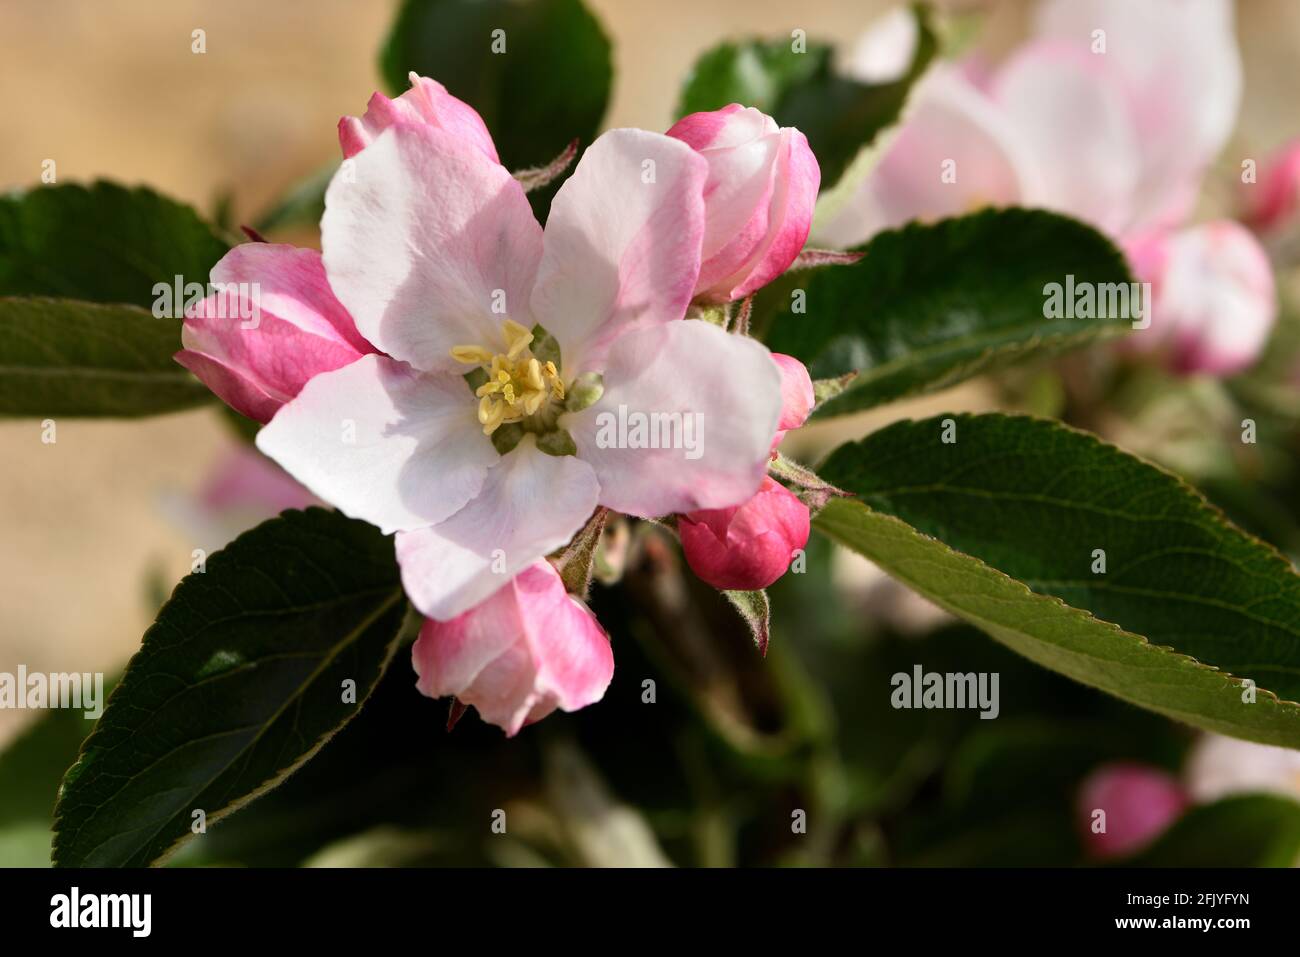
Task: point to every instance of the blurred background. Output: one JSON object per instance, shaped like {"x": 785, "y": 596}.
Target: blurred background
{"x": 98, "y": 527}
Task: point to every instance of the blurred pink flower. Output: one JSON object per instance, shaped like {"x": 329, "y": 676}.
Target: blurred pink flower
{"x": 1139, "y": 803}
{"x": 528, "y": 649}
{"x": 243, "y": 489}
{"x": 1111, "y": 112}
{"x": 758, "y": 198}
{"x": 1213, "y": 299}
{"x": 1270, "y": 204}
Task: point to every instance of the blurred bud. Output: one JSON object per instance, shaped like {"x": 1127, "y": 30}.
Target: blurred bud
{"x": 1212, "y": 297}
{"x": 758, "y": 199}
{"x": 1269, "y": 204}
{"x": 749, "y": 546}
{"x": 1125, "y": 806}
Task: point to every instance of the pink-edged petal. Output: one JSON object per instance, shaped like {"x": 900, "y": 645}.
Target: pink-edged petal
{"x": 730, "y": 126}
{"x": 955, "y": 151}
{"x": 518, "y": 655}
{"x": 789, "y": 215}
{"x": 426, "y": 103}
{"x": 622, "y": 244}
{"x": 758, "y": 198}
{"x": 271, "y": 324}
{"x": 234, "y": 388}
{"x": 1073, "y": 115}
{"x": 797, "y": 396}
{"x": 531, "y": 504}
{"x": 430, "y": 245}
{"x": 384, "y": 443}
{"x": 717, "y": 397}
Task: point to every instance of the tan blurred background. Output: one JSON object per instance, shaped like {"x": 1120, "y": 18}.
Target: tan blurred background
{"x": 110, "y": 88}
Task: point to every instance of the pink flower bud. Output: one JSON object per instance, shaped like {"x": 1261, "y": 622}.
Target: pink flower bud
{"x": 270, "y": 325}
{"x": 528, "y": 649}
{"x": 1213, "y": 300}
{"x": 1270, "y": 204}
{"x": 1138, "y": 802}
{"x": 797, "y": 399}
{"x": 758, "y": 198}
{"x": 747, "y": 546}
{"x": 426, "y": 103}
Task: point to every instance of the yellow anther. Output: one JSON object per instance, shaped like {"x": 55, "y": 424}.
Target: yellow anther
{"x": 471, "y": 355}
{"x": 518, "y": 385}
{"x": 518, "y": 338}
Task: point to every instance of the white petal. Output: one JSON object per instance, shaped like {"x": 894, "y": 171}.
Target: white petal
{"x": 716, "y": 395}
{"x": 955, "y": 151}
{"x": 429, "y": 244}
{"x": 1181, "y": 70}
{"x": 530, "y": 505}
{"x": 1074, "y": 117}
{"x": 622, "y": 244}
{"x": 384, "y": 443}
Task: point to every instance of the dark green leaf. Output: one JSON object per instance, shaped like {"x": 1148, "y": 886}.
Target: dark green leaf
{"x": 1252, "y": 830}
{"x": 102, "y": 242}
{"x": 1188, "y": 605}
{"x": 67, "y": 357}
{"x": 800, "y": 88}
{"x": 549, "y": 87}
{"x": 932, "y": 305}
{"x": 239, "y": 681}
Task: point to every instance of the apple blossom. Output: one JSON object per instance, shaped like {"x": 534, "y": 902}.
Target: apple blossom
{"x": 1139, "y": 802}
{"x": 748, "y": 546}
{"x": 758, "y": 199}
{"x": 433, "y": 249}
{"x": 298, "y": 328}
{"x": 528, "y": 649}
{"x": 426, "y": 103}
{"x": 1213, "y": 300}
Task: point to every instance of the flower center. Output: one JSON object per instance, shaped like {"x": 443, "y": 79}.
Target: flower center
{"x": 518, "y": 385}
